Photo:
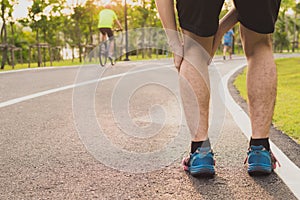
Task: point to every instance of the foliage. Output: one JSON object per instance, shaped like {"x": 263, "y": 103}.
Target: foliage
{"x": 50, "y": 24}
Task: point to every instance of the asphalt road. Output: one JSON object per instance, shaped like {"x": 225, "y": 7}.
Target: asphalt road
{"x": 116, "y": 133}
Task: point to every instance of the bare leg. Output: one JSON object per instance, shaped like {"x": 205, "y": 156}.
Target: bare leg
{"x": 261, "y": 80}
{"x": 111, "y": 48}
{"x": 224, "y": 52}
{"x": 103, "y": 37}
{"x": 194, "y": 79}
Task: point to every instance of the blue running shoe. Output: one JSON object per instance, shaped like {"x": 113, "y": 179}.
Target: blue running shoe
{"x": 260, "y": 161}
{"x": 200, "y": 163}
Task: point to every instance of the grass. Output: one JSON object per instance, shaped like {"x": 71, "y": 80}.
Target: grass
{"x": 34, "y": 65}
{"x": 76, "y": 62}
{"x": 287, "y": 109}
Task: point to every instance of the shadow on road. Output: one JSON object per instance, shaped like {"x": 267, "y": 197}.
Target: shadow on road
{"x": 273, "y": 185}
{"x": 212, "y": 187}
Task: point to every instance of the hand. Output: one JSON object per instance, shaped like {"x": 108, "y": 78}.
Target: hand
{"x": 178, "y": 55}
{"x": 177, "y": 61}
{"x": 217, "y": 40}
{"x": 226, "y": 23}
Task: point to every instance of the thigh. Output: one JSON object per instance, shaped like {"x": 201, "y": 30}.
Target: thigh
{"x": 253, "y": 41}
{"x": 258, "y": 15}
{"x": 200, "y": 17}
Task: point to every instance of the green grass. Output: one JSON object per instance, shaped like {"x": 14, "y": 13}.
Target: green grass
{"x": 287, "y": 109}
{"x": 34, "y": 65}
{"x": 76, "y": 62}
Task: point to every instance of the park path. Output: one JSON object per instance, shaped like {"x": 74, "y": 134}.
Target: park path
{"x": 47, "y": 153}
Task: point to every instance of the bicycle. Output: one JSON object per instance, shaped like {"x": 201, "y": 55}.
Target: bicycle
{"x": 104, "y": 48}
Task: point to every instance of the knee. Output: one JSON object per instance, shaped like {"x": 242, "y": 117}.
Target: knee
{"x": 255, "y": 42}
{"x": 111, "y": 38}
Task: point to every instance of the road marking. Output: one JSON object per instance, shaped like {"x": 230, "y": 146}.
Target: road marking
{"x": 46, "y": 92}
{"x": 288, "y": 172}
{"x": 218, "y": 63}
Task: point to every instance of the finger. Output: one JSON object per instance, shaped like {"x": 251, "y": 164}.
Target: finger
{"x": 177, "y": 61}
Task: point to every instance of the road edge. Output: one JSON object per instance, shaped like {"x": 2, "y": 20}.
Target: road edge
{"x": 288, "y": 172}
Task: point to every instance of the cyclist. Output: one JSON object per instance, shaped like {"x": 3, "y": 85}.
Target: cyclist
{"x": 107, "y": 17}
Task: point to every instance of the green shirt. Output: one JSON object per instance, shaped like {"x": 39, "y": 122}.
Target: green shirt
{"x": 106, "y": 18}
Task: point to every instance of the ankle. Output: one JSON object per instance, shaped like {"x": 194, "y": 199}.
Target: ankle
{"x": 261, "y": 141}
{"x": 202, "y": 144}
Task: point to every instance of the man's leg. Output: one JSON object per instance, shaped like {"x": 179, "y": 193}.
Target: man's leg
{"x": 111, "y": 48}
{"x": 194, "y": 70}
{"x": 195, "y": 94}
{"x": 261, "y": 87}
{"x": 199, "y": 20}
{"x": 110, "y": 35}
{"x": 224, "y": 52}
{"x": 230, "y": 52}
{"x": 261, "y": 80}
{"x": 103, "y": 37}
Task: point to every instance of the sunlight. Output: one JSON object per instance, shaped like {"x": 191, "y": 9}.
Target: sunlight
{"x": 21, "y": 9}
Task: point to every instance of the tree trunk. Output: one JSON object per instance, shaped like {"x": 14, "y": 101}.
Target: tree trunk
{"x": 13, "y": 43}
{"x": 91, "y": 34}
{"x": 78, "y": 31}
{"x": 44, "y": 48}
{"x": 73, "y": 54}
{"x": 143, "y": 42}
{"x": 295, "y": 31}
{"x": 38, "y": 48}
{"x": 80, "y": 52}
{"x": 4, "y": 38}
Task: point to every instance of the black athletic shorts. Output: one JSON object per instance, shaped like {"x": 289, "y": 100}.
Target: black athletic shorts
{"x": 202, "y": 16}
{"x": 107, "y": 31}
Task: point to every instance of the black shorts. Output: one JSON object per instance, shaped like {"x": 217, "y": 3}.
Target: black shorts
{"x": 202, "y": 16}
{"x": 107, "y": 31}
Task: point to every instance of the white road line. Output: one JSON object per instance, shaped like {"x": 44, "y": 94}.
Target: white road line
{"x": 288, "y": 172}
{"x": 218, "y": 63}
{"x": 39, "y": 94}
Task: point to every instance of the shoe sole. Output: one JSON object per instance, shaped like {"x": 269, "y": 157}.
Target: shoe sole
{"x": 206, "y": 171}
{"x": 259, "y": 170}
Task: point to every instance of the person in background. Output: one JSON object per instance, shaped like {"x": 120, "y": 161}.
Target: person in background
{"x": 107, "y": 18}
{"x": 227, "y": 43}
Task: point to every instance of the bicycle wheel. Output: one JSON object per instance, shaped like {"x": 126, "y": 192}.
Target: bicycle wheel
{"x": 103, "y": 54}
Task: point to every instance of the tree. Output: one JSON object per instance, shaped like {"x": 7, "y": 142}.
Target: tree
{"x": 296, "y": 26}
{"x": 282, "y": 34}
{"x": 35, "y": 21}
{"x": 6, "y": 12}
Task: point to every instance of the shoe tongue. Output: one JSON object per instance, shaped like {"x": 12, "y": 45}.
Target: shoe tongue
{"x": 260, "y": 147}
